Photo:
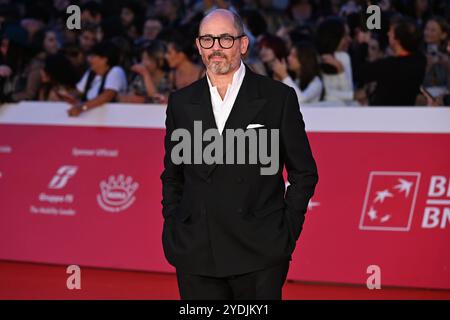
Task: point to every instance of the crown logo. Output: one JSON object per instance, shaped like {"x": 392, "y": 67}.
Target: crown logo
{"x": 117, "y": 193}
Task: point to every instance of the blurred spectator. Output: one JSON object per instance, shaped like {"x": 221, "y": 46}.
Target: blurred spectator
{"x": 255, "y": 23}
{"x": 110, "y": 28}
{"x": 180, "y": 58}
{"x": 151, "y": 83}
{"x": 9, "y": 13}
{"x": 13, "y": 59}
{"x": 87, "y": 38}
{"x": 131, "y": 17}
{"x": 302, "y": 11}
{"x": 332, "y": 42}
{"x": 349, "y": 7}
{"x": 57, "y": 77}
{"x": 441, "y": 99}
{"x": 435, "y": 38}
{"x": 255, "y": 27}
{"x": 45, "y": 42}
{"x": 271, "y": 48}
{"x": 91, "y": 13}
{"x": 169, "y": 10}
{"x": 77, "y": 59}
{"x": 397, "y": 78}
{"x": 102, "y": 82}
{"x": 298, "y": 34}
{"x": 375, "y": 49}
{"x": 32, "y": 26}
{"x": 126, "y": 52}
{"x": 435, "y": 35}
{"x": 303, "y": 63}
{"x": 152, "y": 27}
{"x": 420, "y": 10}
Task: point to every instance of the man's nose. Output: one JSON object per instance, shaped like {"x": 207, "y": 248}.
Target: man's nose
{"x": 217, "y": 46}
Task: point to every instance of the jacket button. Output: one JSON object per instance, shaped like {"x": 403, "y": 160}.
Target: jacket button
{"x": 239, "y": 180}
{"x": 208, "y": 180}
{"x": 240, "y": 210}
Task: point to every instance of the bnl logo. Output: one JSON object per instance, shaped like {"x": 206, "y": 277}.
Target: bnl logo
{"x": 390, "y": 201}
{"x": 62, "y": 176}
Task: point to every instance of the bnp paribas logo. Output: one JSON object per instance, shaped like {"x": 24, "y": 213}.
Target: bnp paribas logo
{"x": 390, "y": 200}
{"x": 117, "y": 193}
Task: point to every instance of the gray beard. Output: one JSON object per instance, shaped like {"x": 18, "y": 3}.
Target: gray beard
{"x": 220, "y": 67}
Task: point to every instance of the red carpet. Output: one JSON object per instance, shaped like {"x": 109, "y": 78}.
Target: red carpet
{"x": 39, "y": 281}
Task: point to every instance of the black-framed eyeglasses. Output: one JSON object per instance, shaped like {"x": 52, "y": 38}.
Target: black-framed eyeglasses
{"x": 226, "y": 41}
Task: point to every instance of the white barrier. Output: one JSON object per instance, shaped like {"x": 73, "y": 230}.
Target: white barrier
{"x": 317, "y": 119}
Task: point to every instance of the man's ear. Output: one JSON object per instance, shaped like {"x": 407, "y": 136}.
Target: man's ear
{"x": 244, "y": 45}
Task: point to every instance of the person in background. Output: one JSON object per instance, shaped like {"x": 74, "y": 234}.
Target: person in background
{"x": 303, "y": 62}
{"x": 435, "y": 38}
{"x": 302, "y": 11}
{"x": 101, "y": 83}
{"x": 45, "y": 42}
{"x": 420, "y": 10}
{"x": 77, "y": 59}
{"x": 332, "y": 43}
{"x": 151, "y": 83}
{"x": 87, "y": 38}
{"x": 91, "y": 13}
{"x": 58, "y": 75}
{"x": 131, "y": 17}
{"x": 152, "y": 27}
{"x": 271, "y": 48}
{"x": 13, "y": 59}
{"x": 442, "y": 99}
{"x": 375, "y": 49}
{"x": 257, "y": 28}
{"x": 170, "y": 10}
{"x": 179, "y": 57}
{"x": 398, "y": 78}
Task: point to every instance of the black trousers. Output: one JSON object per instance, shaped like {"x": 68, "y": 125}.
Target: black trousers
{"x": 263, "y": 284}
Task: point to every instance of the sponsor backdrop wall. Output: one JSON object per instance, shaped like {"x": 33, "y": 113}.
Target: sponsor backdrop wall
{"x": 87, "y": 191}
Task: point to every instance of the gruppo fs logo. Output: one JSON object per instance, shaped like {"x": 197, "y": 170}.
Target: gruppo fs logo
{"x": 117, "y": 194}
{"x": 389, "y": 201}
{"x": 62, "y": 176}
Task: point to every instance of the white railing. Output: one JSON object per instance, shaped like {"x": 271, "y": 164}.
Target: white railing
{"x": 320, "y": 119}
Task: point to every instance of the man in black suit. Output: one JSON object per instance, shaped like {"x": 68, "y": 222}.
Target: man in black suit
{"x": 230, "y": 229}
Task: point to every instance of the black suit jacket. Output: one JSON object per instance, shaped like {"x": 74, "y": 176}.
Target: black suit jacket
{"x": 227, "y": 219}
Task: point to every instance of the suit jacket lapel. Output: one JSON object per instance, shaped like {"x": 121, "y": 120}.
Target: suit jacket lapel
{"x": 200, "y": 107}
{"x": 247, "y": 105}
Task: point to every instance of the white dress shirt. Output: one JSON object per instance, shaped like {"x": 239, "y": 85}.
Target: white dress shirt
{"x": 222, "y": 108}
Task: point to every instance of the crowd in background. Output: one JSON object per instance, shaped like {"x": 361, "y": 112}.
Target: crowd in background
{"x": 139, "y": 51}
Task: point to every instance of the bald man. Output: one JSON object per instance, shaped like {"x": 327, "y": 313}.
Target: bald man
{"x": 229, "y": 227}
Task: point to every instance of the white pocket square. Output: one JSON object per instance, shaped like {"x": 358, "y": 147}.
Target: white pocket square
{"x": 254, "y": 126}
